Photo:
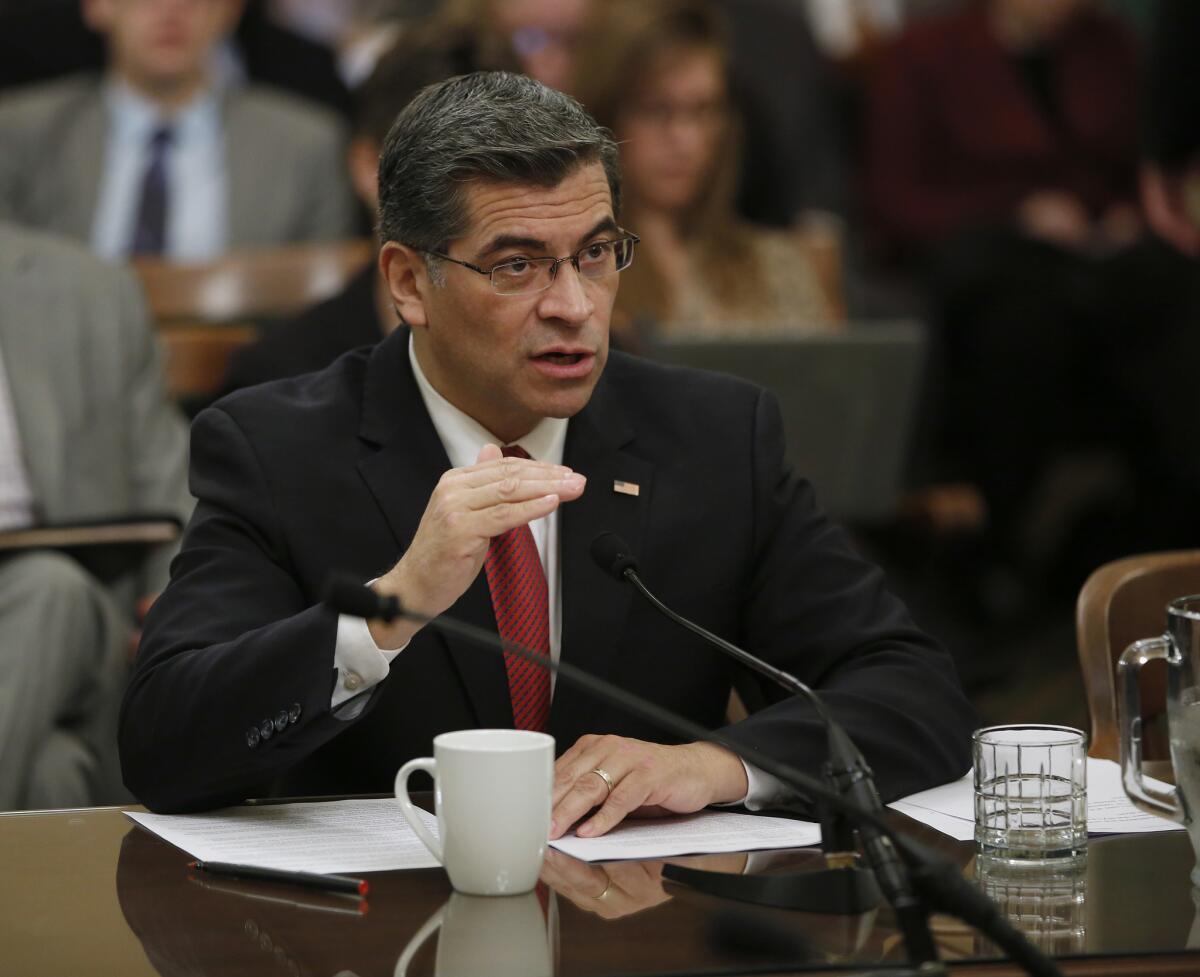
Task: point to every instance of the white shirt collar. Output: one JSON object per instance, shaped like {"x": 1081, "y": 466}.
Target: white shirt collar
{"x": 463, "y": 436}
{"x": 136, "y": 117}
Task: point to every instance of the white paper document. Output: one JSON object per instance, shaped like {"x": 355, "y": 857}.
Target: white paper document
{"x": 323, "y": 836}
{"x": 372, "y": 836}
{"x": 951, "y": 807}
{"x": 704, "y": 833}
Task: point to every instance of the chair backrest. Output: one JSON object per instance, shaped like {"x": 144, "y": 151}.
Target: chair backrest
{"x": 1121, "y": 602}
{"x": 848, "y": 401}
{"x": 250, "y": 285}
{"x": 195, "y": 358}
{"x": 203, "y": 312}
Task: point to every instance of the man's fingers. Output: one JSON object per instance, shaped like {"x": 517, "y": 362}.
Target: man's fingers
{"x": 521, "y": 490}
{"x": 476, "y": 475}
{"x": 587, "y": 792}
{"x": 629, "y": 794}
{"x": 499, "y": 519}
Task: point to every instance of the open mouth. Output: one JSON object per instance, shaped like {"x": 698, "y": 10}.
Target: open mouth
{"x": 560, "y": 359}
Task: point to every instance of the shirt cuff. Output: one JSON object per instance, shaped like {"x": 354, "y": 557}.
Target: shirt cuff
{"x": 359, "y": 662}
{"x": 762, "y": 790}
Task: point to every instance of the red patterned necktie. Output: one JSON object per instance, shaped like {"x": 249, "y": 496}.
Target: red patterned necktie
{"x": 521, "y": 604}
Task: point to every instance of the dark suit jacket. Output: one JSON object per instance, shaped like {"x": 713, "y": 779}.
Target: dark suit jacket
{"x": 313, "y": 339}
{"x": 333, "y": 470}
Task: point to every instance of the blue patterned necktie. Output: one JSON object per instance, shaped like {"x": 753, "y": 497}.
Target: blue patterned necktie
{"x": 150, "y": 227}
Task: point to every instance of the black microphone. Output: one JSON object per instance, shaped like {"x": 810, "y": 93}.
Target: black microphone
{"x": 939, "y": 878}
{"x": 846, "y": 770}
{"x": 349, "y": 595}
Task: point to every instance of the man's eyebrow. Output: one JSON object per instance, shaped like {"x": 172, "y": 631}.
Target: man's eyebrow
{"x": 504, "y": 241}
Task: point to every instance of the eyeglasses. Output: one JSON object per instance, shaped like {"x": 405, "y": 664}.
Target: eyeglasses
{"x": 524, "y": 276}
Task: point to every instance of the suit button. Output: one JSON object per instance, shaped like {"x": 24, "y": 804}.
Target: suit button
{"x": 281, "y": 721}
{"x": 293, "y": 713}
{"x": 266, "y": 729}
{"x": 352, "y": 681}
{"x": 252, "y": 737}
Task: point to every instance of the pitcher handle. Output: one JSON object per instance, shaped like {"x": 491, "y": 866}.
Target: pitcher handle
{"x": 1163, "y": 803}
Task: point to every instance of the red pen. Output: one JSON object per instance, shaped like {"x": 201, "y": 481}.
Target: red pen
{"x": 311, "y": 880}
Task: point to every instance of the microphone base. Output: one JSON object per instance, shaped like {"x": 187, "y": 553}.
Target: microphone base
{"x": 844, "y": 891}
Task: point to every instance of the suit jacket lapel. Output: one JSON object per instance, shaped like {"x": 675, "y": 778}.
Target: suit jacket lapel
{"x": 594, "y": 604}
{"x": 401, "y": 475}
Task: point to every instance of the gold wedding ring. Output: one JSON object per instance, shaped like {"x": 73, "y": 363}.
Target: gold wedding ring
{"x": 605, "y": 776}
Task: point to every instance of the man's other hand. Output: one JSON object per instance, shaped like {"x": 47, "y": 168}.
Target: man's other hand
{"x": 468, "y": 507}
{"x": 648, "y": 780}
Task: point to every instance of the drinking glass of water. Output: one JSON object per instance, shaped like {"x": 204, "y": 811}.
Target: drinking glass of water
{"x": 1031, "y": 792}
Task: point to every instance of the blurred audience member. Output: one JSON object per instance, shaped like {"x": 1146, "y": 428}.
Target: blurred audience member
{"x": 545, "y": 34}
{"x": 1002, "y": 153}
{"x": 265, "y": 51}
{"x": 362, "y": 313}
{"x": 1171, "y": 175}
{"x": 86, "y": 434}
{"x": 158, "y": 159}
{"x": 656, "y": 74}
{"x": 792, "y": 152}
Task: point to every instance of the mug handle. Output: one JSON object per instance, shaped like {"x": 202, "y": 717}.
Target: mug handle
{"x": 432, "y": 924}
{"x": 429, "y": 765}
{"x": 1163, "y": 803}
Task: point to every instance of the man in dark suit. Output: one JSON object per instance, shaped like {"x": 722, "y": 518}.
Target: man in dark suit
{"x": 498, "y": 205}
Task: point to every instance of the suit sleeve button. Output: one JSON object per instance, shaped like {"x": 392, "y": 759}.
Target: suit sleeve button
{"x": 281, "y": 721}
{"x": 293, "y": 713}
{"x": 266, "y": 729}
{"x": 252, "y": 737}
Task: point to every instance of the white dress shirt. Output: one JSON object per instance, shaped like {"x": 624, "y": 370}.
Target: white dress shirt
{"x": 197, "y": 220}
{"x": 361, "y": 664}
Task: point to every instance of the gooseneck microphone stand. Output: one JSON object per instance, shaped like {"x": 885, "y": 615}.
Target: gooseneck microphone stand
{"x": 939, "y": 883}
{"x": 843, "y": 887}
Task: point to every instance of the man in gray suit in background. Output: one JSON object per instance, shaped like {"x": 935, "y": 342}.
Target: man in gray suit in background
{"x": 157, "y": 157}
{"x": 86, "y": 434}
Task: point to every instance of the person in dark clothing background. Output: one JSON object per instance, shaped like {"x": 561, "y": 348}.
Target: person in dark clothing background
{"x": 361, "y": 314}
{"x": 1056, "y": 312}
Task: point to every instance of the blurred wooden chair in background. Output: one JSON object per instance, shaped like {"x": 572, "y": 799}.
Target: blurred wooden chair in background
{"x": 1121, "y": 602}
{"x": 203, "y": 312}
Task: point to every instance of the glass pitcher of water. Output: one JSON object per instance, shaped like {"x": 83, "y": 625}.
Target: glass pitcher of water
{"x": 1179, "y": 646}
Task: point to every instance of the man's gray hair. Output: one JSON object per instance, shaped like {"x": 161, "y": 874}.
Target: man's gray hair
{"x": 490, "y": 125}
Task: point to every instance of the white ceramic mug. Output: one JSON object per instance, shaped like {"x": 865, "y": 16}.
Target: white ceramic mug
{"x": 492, "y": 792}
{"x": 497, "y": 937}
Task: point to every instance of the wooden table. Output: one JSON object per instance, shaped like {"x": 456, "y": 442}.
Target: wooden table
{"x": 89, "y": 892}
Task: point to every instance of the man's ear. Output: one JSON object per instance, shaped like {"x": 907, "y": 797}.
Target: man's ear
{"x": 407, "y": 280}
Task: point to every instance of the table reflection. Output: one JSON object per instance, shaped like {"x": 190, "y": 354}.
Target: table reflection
{"x": 1045, "y": 901}
{"x": 618, "y": 918}
{"x": 584, "y": 919}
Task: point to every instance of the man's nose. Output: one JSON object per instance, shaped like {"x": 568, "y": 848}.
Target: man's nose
{"x": 567, "y": 298}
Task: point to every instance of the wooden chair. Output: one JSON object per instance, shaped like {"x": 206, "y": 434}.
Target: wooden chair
{"x": 203, "y": 312}
{"x": 1121, "y": 602}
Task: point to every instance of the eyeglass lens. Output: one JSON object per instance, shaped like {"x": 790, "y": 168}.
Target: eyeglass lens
{"x": 535, "y": 274}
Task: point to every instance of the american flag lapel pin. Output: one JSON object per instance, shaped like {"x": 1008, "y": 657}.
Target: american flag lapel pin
{"x": 626, "y": 488}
